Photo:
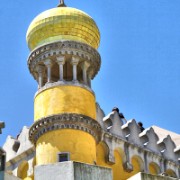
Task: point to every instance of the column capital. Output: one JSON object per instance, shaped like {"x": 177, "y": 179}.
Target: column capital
{"x": 48, "y": 62}
{"x": 75, "y": 60}
{"x": 60, "y": 60}
{"x": 85, "y": 65}
{"x": 40, "y": 68}
{"x": 90, "y": 74}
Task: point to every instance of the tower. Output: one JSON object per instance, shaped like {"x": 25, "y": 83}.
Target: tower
{"x": 63, "y": 60}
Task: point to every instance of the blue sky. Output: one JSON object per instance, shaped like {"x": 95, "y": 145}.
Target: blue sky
{"x": 140, "y": 51}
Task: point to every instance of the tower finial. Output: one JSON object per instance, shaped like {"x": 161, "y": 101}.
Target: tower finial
{"x": 62, "y": 4}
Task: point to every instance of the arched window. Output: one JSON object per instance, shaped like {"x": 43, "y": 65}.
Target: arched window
{"x": 154, "y": 168}
{"x": 171, "y": 173}
{"x": 138, "y": 165}
{"x": 22, "y": 169}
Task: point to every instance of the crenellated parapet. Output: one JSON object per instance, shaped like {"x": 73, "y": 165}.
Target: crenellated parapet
{"x": 20, "y": 153}
{"x": 15, "y": 146}
{"x": 132, "y": 131}
{"x": 161, "y": 155}
{"x": 112, "y": 122}
{"x": 149, "y": 139}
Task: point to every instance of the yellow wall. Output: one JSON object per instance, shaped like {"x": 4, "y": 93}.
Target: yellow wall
{"x": 81, "y": 145}
{"x": 118, "y": 171}
{"x": 154, "y": 168}
{"x": 64, "y": 99}
{"x": 22, "y": 169}
{"x": 29, "y": 178}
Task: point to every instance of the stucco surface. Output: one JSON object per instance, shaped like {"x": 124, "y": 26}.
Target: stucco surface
{"x": 64, "y": 99}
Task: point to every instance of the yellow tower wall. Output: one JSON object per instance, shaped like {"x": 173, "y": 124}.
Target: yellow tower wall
{"x": 80, "y": 145}
{"x": 64, "y": 99}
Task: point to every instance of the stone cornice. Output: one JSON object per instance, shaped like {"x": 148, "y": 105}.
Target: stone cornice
{"x": 65, "y": 121}
{"x": 73, "y": 48}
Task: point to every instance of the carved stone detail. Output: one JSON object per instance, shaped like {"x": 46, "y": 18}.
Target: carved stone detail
{"x": 65, "y": 48}
{"x": 128, "y": 167}
{"x": 65, "y": 121}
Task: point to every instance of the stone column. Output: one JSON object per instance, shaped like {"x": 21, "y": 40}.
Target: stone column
{"x": 61, "y": 62}
{"x": 75, "y": 62}
{"x": 163, "y": 165}
{"x": 146, "y": 169}
{"x": 40, "y": 70}
{"x": 89, "y": 81}
{"x": 89, "y": 78}
{"x": 85, "y": 65}
{"x": 128, "y": 167}
{"x": 48, "y": 64}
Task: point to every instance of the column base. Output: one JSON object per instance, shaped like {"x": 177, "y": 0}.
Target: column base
{"x": 49, "y": 82}
{"x": 75, "y": 81}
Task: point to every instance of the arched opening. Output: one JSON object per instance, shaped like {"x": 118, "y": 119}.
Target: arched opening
{"x": 154, "y": 168}
{"x": 138, "y": 165}
{"x": 22, "y": 170}
{"x": 118, "y": 171}
{"x": 54, "y": 72}
{"x": 102, "y": 154}
{"x": 122, "y": 154}
{"x": 171, "y": 173}
{"x": 79, "y": 73}
{"x": 68, "y": 71}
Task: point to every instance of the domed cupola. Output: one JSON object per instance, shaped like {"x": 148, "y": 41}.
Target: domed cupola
{"x": 63, "y": 43}
{"x": 62, "y": 23}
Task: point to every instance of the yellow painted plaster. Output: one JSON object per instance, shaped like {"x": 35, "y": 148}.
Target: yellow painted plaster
{"x": 136, "y": 166}
{"x": 152, "y": 169}
{"x": 22, "y": 170}
{"x": 117, "y": 169}
{"x": 81, "y": 145}
{"x": 64, "y": 99}
{"x": 28, "y": 178}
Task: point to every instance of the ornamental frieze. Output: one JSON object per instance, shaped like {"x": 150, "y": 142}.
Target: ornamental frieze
{"x": 65, "y": 121}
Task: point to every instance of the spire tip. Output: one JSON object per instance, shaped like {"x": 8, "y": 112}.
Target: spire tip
{"x": 61, "y": 4}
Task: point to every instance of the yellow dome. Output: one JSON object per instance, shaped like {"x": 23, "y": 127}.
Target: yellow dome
{"x": 62, "y": 23}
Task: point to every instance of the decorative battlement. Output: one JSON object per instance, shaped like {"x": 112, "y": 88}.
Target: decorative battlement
{"x": 148, "y": 139}
{"x": 149, "y": 150}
